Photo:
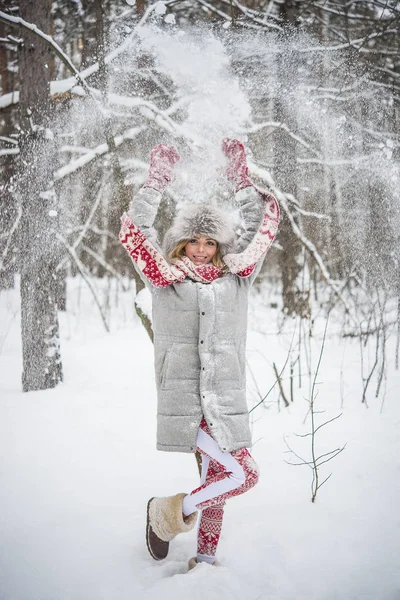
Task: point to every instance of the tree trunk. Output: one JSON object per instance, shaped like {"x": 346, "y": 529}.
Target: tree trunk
{"x": 8, "y": 208}
{"x": 285, "y": 166}
{"x": 140, "y": 7}
{"x": 118, "y": 196}
{"x": 40, "y": 251}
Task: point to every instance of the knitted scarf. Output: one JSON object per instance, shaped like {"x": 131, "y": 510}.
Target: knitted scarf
{"x": 155, "y": 267}
{"x": 202, "y": 273}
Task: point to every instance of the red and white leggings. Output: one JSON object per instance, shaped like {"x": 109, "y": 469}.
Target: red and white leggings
{"x": 223, "y": 475}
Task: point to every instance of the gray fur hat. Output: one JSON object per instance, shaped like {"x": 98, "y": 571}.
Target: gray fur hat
{"x": 201, "y": 219}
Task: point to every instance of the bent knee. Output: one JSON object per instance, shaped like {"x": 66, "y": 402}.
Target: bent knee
{"x": 248, "y": 473}
{"x": 237, "y": 475}
{"x": 252, "y": 472}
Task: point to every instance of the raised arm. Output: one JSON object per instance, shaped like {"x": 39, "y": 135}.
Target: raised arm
{"x": 259, "y": 211}
{"x": 144, "y": 206}
{"x": 138, "y": 235}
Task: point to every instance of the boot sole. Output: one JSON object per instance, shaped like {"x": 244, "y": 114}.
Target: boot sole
{"x": 148, "y": 532}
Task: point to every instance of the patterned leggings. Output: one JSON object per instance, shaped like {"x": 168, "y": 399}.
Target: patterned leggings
{"x": 224, "y": 475}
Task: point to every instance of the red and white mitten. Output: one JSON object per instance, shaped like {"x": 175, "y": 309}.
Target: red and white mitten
{"x": 161, "y": 170}
{"x": 237, "y": 170}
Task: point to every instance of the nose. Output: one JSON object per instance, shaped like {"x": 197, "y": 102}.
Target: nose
{"x": 203, "y": 247}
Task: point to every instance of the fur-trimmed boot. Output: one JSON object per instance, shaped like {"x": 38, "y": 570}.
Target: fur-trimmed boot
{"x": 164, "y": 521}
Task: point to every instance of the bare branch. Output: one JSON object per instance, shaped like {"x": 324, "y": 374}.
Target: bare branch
{"x": 263, "y": 174}
{"x": 327, "y": 422}
{"x": 82, "y": 269}
{"x": 280, "y": 385}
{"x": 337, "y": 451}
{"x": 85, "y": 226}
{"x": 105, "y": 265}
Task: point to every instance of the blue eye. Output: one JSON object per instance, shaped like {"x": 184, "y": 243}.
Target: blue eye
{"x": 211, "y": 243}
{"x": 193, "y": 241}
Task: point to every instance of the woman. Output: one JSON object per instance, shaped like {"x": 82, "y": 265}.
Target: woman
{"x": 199, "y": 282}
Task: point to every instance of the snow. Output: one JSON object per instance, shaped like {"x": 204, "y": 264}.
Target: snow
{"x": 8, "y": 151}
{"x": 170, "y": 19}
{"x": 143, "y": 301}
{"x": 160, "y": 8}
{"x": 78, "y": 464}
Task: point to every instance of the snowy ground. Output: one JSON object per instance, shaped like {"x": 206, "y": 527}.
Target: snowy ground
{"x": 78, "y": 464}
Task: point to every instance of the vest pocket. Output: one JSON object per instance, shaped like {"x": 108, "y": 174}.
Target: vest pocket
{"x": 229, "y": 371}
{"x": 164, "y": 369}
{"x": 181, "y": 366}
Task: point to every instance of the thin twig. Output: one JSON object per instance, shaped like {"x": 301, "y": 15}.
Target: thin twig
{"x": 81, "y": 267}
{"x": 280, "y": 385}
{"x": 86, "y": 225}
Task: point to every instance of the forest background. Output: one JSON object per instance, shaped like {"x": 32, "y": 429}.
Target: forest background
{"x": 312, "y": 88}
{"x": 88, "y": 87}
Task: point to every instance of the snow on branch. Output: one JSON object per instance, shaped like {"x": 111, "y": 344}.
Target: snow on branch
{"x": 356, "y": 44}
{"x": 9, "y": 140}
{"x": 303, "y": 212}
{"x": 251, "y": 14}
{"x": 215, "y": 10}
{"x": 337, "y": 161}
{"x": 9, "y": 151}
{"x": 101, "y": 150}
{"x": 256, "y": 127}
{"x": 18, "y": 22}
{"x": 149, "y": 110}
{"x": 60, "y": 87}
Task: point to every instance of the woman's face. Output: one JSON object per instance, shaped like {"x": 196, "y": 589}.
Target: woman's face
{"x": 201, "y": 250}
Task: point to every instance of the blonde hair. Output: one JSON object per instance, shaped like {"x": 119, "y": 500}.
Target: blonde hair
{"x": 179, "y": 251}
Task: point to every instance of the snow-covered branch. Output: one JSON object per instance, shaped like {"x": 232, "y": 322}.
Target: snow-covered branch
{"x": 213, "y": 9}
{"x": 256, "y": 127}
{"x": 100, "y": 150}
{"x": 8, "y": 151}
{"x": 18, "y": 22}
{"x": 295, "y": 203}
{"x": 250, "y": 14}
{"x": 60, "y": 87}
{"x": 356, "y": 44}
{"x": 8, "y": 140}
{"x": 308, "y": 244}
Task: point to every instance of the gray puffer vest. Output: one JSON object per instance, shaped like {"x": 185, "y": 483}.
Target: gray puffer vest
{"x": 200, "y": 360}
{"x": 200, "y": 343}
